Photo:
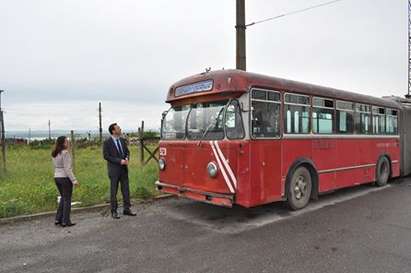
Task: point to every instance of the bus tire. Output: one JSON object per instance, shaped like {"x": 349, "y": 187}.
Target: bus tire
{"x": 383, "y": 171}
{"x": 299, "y": 188}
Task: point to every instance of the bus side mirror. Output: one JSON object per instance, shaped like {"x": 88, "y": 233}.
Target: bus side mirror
{"x": 163, "y": 115}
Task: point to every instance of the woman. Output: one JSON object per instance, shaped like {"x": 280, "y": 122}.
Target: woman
{"x": 65, "y": 179}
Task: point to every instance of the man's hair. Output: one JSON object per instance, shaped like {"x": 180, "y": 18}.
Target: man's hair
{"x": 111, "y": 128}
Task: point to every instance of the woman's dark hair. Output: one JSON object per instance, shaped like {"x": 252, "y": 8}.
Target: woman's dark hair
{"x": 59, "y": 146}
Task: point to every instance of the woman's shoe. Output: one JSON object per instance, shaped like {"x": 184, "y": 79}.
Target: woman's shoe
{"x": 57, "y": 223}
{"x": 68, "y": 225}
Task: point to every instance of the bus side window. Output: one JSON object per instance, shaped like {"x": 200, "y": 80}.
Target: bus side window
{"x": 362, "y": 119}
{"x": 296, "y": 117}
{"x": 266, "y": 107}
{"x": 378, "y": 120}
{"x": 392, "y": 122}
{"x": 375, "y": 121}
{"x": 342, "y": 128}
{"x": 288, "y": 119}
{"x": 297, "y": 120}
{"x": 323, "y": 116}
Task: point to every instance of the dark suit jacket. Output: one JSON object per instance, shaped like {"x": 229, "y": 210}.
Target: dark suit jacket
{"x": 113, "y": 156}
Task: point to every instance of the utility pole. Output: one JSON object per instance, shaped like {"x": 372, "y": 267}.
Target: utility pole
{"x": 408, "y": 96}
{"x": 3, "y": 135}
{"x": 73, "y": 149}
{"x": 100, "y": 124}
{"x": 240, "y": 27}
{"x": 49, "y": 130}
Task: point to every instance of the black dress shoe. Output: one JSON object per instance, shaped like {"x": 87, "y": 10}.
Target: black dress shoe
{"x": 129, "y": 213}
{"x": 57, "y": 223}
{"x": 114, "y": 215}
{"x": 68, "y": 225}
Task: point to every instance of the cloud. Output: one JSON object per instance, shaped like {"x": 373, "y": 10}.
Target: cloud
{"x": 58, "y": 59}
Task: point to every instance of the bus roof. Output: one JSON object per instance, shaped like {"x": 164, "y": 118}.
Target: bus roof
{"x": 233, "y": 83}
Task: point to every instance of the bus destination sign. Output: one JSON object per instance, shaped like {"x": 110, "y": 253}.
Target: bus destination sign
{"x": 194, "y": 88}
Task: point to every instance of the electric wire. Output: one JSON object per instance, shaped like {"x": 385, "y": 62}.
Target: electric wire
{"x": 293, "y": 12}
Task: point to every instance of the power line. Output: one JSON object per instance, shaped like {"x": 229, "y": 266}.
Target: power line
{"x": 293, "y": 12}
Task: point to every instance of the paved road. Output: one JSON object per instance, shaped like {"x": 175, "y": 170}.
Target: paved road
{"x": 365, "y": 229}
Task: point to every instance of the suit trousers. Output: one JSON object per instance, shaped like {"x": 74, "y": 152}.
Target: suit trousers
{"x": 65, "y": 188}
{"x": 122, "y": 178}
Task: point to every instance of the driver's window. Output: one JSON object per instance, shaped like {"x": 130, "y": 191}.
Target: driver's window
{"x": 230, "y": 117}
{"x": 233, "y": 121}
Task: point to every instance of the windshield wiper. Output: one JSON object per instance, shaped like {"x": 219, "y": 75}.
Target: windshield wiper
{"x": 214, "y": 122}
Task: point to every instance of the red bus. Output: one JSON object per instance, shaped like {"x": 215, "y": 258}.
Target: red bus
{"x": 233, "y": 137}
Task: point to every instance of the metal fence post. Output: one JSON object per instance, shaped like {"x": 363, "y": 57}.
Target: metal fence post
{"x": 141, "y": 139}
{"x": 3, "y": 141}
{"x": 73, "y": 148}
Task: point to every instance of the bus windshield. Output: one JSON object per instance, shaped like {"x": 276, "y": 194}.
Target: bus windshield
{"x": 174, "y": 123}
{"x": 204, "y": 121}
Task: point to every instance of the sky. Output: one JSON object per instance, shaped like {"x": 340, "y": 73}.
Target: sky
{"x": 59, "y": 58}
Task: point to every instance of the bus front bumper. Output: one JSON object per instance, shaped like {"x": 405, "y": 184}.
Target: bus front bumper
{"x": 224, "y": 200}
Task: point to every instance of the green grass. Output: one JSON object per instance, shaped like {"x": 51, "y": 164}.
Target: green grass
{"x": 28, "y": 186}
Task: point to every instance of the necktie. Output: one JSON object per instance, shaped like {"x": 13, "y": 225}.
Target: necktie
{"x": 119, "y": 147}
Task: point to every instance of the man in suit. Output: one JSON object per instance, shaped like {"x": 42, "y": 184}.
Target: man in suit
{"x": 116, "y": 152}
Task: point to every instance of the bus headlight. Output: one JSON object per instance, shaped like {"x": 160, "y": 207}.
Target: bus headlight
{"x": 162, "y": 164}
{"x": 212, "y": 169}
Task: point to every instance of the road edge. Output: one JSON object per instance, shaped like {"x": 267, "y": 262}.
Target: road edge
{"x": 30, "y": 217}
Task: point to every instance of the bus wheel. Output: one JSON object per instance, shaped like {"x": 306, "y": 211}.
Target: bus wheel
{"x": 299, "y": 189}
{"x": 382, "y": 171}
